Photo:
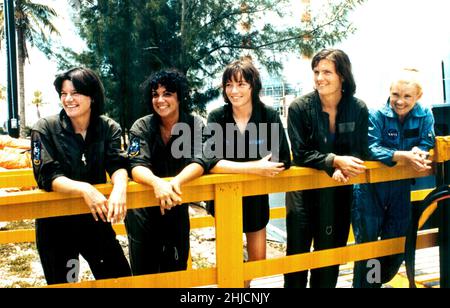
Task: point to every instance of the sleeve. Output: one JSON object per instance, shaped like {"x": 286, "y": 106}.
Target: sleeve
{"x": 116, "y": 158}
{"x": 284, "y": 150}
{"x": 46, "y": 167}
{"x": 362, "y": 134}
{"x": 212, "y": 142}
{"x": 199, "y": 142}
{"x": 427, "y": 136}
{"x": 304, "y": 153}
{"x": 139, "y": 151}
{"x": 376, "y": 150}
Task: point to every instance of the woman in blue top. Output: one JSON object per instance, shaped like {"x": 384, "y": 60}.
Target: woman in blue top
{"x": 401, "y": 131}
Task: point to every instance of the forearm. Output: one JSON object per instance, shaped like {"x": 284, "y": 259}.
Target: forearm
{"x": 144, "y": 175}
{"x": 120, "y": 178}
{"x": 400, "y": 156}
{"x": 63, "y": 184}
{"x": 227, "y": 166}
{"x": 189, "y": 173}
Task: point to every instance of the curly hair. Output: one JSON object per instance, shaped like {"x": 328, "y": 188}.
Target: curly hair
{"x": 174, "y": 81}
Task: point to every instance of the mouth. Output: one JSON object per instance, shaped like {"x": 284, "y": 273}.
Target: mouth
{"x": 72, "y": 106}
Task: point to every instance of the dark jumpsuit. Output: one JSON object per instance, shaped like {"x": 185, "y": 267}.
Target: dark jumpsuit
{"x": 58, "y": 151}
{"x": 255, "y": 208}
{"x": 160, "y": 243}
{"x": 321, "y": 215}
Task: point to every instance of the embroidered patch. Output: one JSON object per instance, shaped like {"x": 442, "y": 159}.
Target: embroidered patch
{"x": 135, "y": 147}
{"x": 347, "y": 127}
{"x": 36, "y": 153}
{"x": 392, "y": 134}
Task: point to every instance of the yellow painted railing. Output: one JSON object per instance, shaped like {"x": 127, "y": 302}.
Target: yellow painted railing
{"x": 227, "y": 190}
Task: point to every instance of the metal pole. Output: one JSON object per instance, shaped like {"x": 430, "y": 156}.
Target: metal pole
{"x": 10, "y": 26}
{"x": 444, "y": 81}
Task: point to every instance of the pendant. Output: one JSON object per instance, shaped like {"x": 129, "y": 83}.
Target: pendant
{"x": 83, "y": 159}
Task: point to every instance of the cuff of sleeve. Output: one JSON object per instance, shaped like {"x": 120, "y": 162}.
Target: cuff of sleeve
{"x": 114, "y": 167}
{"x": 47, "y": 184}
{"x": 390, "y": 162}
{"x": 201, "y": 162}
{"x": 329, "y": 160}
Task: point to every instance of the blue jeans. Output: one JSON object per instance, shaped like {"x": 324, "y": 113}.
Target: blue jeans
{"x": 381, "y": 210}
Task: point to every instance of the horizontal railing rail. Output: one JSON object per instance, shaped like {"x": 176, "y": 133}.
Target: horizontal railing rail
{"x": 227, "y": 191}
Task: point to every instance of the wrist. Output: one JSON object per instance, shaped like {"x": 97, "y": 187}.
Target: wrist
{"x": 332, "y": 160}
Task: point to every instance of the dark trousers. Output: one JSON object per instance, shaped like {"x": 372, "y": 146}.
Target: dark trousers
{"x": 381, "y": 210}
{"x": 320, "y": 217}
{"x": 60, "y": 241}
{"x": 158, "y": 243}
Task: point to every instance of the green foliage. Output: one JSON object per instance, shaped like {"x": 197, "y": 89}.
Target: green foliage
{"x": 127, "y": 42}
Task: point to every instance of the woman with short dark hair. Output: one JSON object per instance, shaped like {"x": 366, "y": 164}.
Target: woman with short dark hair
{"x": 259, "y": 142}
{"x": 71, "y": 152}
{"x": 328, "y": 131}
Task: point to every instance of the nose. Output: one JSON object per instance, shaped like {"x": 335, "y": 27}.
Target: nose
{"x": 160, "y": 98}
{"x": 68, "y": 97}
{"x": 234, "y": 88}
{"x": 320, "y": 76}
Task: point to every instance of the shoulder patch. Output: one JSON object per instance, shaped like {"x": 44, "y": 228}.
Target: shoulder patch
{"x": 37, "y": 153}
{"x": 135, "y": 147}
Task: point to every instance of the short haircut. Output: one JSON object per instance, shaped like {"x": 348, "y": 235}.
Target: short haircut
{"x": 174, "y": 81}
{"x": 242, "y": 68}
{"x": 86, "y": 82}
{"x": 410, "y": 76}
{"x": 343, "y": 68}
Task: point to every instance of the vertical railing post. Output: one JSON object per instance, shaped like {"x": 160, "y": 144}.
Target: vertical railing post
{"x": 229, "y": 249}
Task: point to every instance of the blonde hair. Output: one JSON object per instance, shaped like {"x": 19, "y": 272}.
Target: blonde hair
{"x": 409, "y": 75}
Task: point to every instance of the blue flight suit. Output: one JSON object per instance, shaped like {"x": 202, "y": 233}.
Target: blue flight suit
{"x": 384, "y": 209}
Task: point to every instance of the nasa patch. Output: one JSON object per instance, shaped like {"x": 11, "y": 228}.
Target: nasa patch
{"x": 36, "y": 153}
{"x": 392, "y": 134}
{"x": 135, "y": 147}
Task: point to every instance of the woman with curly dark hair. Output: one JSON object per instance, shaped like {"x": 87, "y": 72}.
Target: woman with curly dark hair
{"x": 159, "y": 237}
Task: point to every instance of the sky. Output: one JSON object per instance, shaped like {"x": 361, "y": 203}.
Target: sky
{"x": 390, "y": 34}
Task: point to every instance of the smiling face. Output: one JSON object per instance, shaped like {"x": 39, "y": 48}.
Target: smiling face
{"x": 326, "y": 79}
{"x": 403, "y": 97}
{"x": 165, "y": 103}
{"x": 239, "y": 92}
{"x": 76, "y": 105}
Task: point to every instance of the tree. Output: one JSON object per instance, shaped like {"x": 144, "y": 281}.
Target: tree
{"x": 33, "y": 20}
{"x": 37, "y": 101}
{"x": 199, "y": 37}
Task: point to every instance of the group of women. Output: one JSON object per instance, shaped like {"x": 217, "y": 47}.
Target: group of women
{"x": 71, "y": 152}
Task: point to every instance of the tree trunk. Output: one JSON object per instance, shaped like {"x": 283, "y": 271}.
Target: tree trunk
{"x": 20, "y": 69}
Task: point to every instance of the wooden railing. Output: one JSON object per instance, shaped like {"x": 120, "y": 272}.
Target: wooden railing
{"x": 227, "y": 191}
